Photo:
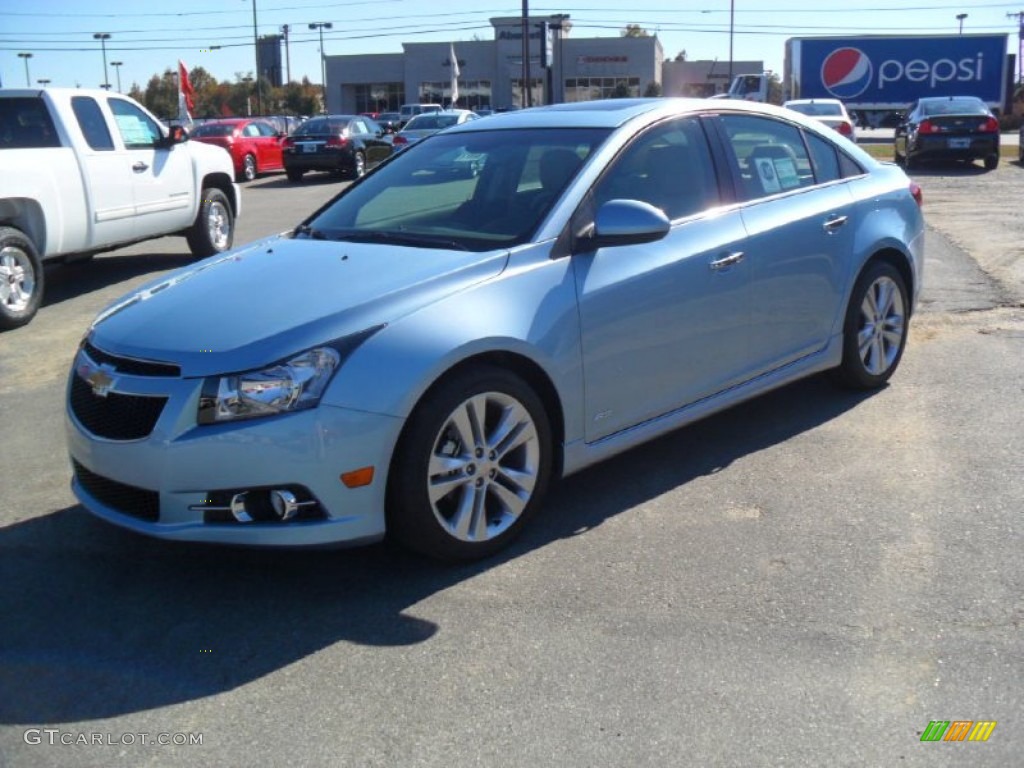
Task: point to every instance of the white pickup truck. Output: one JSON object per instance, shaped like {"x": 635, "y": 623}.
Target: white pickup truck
{"x": 84, "y": 171}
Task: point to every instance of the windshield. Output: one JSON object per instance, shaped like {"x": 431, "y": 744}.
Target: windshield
{"x": 214, "y": 129}
{"x": 474, "y": 191}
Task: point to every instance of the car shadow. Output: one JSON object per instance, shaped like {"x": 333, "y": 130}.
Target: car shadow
{"x": 308, "y": 179}
{"x": 948, "y": 167}
{"x": 99, "y": 622}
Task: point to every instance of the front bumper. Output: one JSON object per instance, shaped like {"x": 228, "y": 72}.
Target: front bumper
{"x": 162, "y": 484}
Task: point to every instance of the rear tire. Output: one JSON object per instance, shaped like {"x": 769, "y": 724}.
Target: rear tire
{"x": 991, "y": 162}
{"x": 21, "y": 279}
{"x": 875, "y": 328}
{"x": 293, "y": 175}
{"x": 214, "y": 227}
{"x": 471, "y": 467}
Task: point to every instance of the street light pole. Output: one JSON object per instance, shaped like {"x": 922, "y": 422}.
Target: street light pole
{"x": 732, "y": 29}
{"x": 960, "y": 17}
{"x": 103, "y": 37}
{"x": 256, "y": 46}
{"x": 322, "y": 25}
{"x": 26, "y": 57}
{"x": 527, "y": 95}
{"x": 117, "y": 68}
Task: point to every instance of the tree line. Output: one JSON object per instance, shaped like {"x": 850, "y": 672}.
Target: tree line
{"x": 213, "y": 98}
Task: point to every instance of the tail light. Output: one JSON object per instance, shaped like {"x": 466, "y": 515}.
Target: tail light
{"x": 288, "y": 143}
{"x": 991, "y": 125}
{"x": 336, "y": 141}
{"x": 915, "y": 192}
{"x": 845, "y": 128}
{"x": 399, "y": 139}
{"x": 927, "y": 126}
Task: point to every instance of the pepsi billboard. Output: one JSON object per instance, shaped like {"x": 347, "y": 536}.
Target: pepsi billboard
{"x": 894, "y": 71}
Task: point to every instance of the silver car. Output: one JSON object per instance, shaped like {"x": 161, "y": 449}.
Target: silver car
{"x": 434, "y": 347}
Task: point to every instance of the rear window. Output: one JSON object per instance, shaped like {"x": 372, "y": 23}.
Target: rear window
{"x": 213, "y": 129}
{"x": 817, "y": 110}
{"x": 25, "y": 123}
{"x": 319, "y": 125}
{"x": 954, "y": 106}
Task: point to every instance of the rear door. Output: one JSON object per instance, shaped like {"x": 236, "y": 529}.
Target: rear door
{"x": 799, "y": 221}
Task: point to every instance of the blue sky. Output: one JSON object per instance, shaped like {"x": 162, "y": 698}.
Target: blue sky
{"x": 149, "y": 37}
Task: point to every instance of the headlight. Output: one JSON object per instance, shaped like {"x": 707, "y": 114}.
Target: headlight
{"x": 292, "y": 385}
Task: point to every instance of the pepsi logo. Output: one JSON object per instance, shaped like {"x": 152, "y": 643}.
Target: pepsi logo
{"x": 846, "y": 73}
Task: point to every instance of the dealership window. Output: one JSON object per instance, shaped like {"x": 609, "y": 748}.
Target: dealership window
{"x": 536, "y": 92}
{"x": 380, "y": 97}
{"x": 472, "y": 93}
{"x": 590, "y": 88}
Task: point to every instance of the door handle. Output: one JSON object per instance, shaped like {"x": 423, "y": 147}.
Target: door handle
{"x": 139, "y": 167}
{"x": 727, "y": 261}
{"x": 833, "y": 223}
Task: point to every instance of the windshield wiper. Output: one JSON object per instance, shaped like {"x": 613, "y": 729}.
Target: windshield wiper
{"x": 399, "y": 238}
{"x": 310, "y": 232}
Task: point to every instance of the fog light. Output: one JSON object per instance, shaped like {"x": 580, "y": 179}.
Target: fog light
{"x": 241, "y": 514}
{"x": 284, "y": 503}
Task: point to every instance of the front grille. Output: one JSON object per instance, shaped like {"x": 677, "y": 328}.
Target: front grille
{"x": 126, "y": 499}
{"x": 130, "y": 366}
{"x": 116, "y": 416}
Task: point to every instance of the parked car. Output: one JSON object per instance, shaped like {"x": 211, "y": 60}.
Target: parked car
{"x": 85, "y": 171}
{"x": 408, "y": 111}
{"x": 341, "y": 144}
{"x": 428, "y": 124}
{"x": 444, "y": 346}
{"x": 948, "y": 127}
{"x": 254, "y": 145}
{"x": 831, "y": 112}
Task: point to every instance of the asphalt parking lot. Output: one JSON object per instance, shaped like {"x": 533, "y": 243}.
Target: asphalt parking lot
{"x": 809, "y": 579}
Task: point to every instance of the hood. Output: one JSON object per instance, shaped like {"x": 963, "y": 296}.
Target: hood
{"x": 277, "y": 297}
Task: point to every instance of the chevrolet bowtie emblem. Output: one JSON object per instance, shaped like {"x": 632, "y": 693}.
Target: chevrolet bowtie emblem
{"x": 99, "y": 379}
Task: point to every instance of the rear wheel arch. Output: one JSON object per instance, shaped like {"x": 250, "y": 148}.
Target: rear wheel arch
{"x": 901, "y": 262}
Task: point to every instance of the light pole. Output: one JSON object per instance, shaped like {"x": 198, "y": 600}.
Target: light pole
{"x": 256, "y": 46}
{"x": 103, "y": 37}
{"x": 248, "y": 96}
{"x": 960, "y": 17}
{"x": 732, "y": 29}
{"x": 322, "y": 25}
{"x": 117, "y": 68}
{"x": 26, "y": 57}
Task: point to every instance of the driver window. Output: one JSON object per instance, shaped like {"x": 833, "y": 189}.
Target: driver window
{"x": 138, "y": 130}
{"x": 669, "y": 166}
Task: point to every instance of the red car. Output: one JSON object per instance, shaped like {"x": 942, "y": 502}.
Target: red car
{"x": 254, "y": 145}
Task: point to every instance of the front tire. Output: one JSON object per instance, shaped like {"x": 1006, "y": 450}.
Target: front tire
{"x": 875, "y": 328}
{"x": 214, "y": 227}
{"x": 21, "y": 279}
{"x": 472, "y": 466}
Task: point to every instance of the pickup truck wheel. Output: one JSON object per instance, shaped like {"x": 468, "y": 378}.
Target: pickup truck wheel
{"x": 248, "y": 168}
{"x": 214, "y": 228}
{"x": 21, "y": 279}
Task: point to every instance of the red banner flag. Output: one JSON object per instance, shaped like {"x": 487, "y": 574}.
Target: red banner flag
{"x": 185, "y": 86}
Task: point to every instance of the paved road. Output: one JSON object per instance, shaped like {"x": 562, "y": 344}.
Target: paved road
{"x": 806, "y": 580}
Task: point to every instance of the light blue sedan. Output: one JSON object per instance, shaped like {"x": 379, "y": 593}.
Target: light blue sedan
{"x": 426, "y": 353}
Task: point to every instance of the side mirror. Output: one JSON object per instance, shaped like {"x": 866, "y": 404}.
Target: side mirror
{"x": 176, "y": 134}
{"x": 627, "y": 222}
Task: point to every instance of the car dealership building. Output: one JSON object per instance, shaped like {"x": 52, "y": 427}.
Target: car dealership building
{"x": 491, "y": 72}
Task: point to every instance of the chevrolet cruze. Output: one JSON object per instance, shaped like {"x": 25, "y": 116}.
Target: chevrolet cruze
{"x": 502, "y": 304}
